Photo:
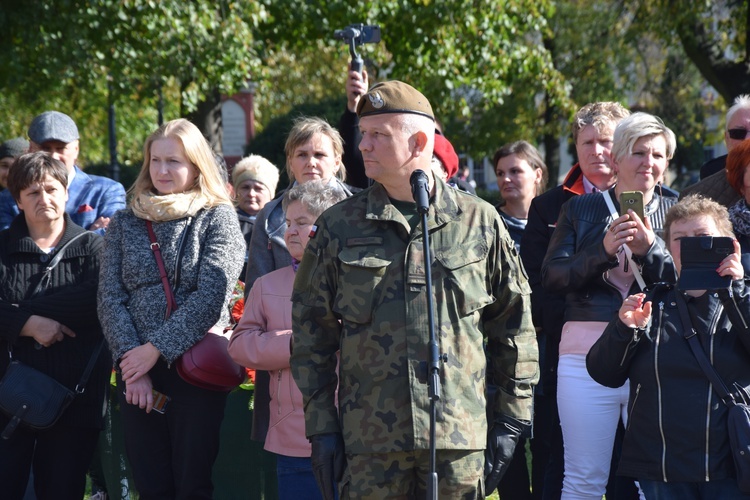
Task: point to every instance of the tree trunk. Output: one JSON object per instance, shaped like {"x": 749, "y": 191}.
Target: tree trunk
{"x": 729, "y": 78}
{"x": 551, "y": 139}
{"x": 551, "y": 142}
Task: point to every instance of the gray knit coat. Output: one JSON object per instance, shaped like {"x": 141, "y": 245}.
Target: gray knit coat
{"x": 131, "y": 300}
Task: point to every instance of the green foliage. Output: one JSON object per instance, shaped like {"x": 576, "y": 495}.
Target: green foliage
{"x": 713, "y": 35}
{"x": 466, "y": 56}
{"x": 79, "y": 56}
{"x": 127, "y": 174}
{"x": 290, "y": 78}
{"x": 494, "y": 71}
{"x": 491, "y": 197}
{"x": 677, "y": 99}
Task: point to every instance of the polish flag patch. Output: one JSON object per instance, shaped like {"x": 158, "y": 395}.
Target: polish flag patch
{"x": 313, "y": 230}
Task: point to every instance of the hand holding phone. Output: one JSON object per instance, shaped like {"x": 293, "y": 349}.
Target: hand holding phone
{"x": 632, "y": 200}
{"x": 160, "y": 401}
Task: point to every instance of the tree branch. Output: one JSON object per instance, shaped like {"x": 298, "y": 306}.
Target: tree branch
{"x": 729, "y": 78}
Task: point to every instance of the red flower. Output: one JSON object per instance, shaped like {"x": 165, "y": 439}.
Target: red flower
{"x": 237, "y": 309}
{"x": 85, "y": 208}
{"x": 250, "y": 374}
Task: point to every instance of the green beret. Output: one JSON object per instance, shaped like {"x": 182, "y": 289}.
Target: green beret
{"x": 394, "y": 97}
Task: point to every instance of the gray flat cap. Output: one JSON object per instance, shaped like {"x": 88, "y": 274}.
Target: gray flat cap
{"x": 53, "y": 126}
{"x": 13, "y": 148}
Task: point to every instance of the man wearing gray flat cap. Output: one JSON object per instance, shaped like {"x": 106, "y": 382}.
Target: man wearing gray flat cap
{"x": 92, "y": 199}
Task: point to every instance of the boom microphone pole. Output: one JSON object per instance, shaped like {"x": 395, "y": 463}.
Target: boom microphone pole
{"x": 420, "y": 189}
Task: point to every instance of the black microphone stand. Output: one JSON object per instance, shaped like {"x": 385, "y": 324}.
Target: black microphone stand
{"x": 421, "y": 192}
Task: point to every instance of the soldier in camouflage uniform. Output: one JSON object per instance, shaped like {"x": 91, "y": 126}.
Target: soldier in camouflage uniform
{"x": 361, "y": 290}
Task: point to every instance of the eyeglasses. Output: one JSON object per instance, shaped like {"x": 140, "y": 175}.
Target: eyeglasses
{"x": 738, "y": 134}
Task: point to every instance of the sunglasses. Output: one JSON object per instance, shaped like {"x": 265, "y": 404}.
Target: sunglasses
{"x": 737, "y": 134}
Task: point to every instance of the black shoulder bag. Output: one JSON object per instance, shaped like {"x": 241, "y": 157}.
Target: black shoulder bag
{"x": 738, "y": 404}
{"x": 30, "y": 397}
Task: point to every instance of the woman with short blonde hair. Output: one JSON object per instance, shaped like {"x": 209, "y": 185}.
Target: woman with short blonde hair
{"x": 597, "y": 253}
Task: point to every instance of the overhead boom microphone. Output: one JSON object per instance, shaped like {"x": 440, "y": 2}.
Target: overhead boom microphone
{"x": 420, "y": 190}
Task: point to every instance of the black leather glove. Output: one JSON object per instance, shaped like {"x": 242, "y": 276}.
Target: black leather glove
{"x": 328, "y": 462}
{"x": 501, "y": 442}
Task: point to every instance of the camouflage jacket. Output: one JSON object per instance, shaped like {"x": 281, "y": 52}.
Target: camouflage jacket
{"x": 361, "y": 288}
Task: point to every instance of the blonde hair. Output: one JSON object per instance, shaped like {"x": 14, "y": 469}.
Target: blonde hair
{"x": 198, "y": 153}
{"x": 303, "y": 131}
{"x": 637, "y": 126}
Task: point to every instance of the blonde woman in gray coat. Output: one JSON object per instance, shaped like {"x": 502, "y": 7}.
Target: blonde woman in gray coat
{"x": 180, "y": 191}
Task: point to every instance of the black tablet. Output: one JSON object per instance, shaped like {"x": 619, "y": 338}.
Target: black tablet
{"x": 700, "y": 256}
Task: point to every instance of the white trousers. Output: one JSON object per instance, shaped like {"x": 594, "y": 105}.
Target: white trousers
{"x": 589, "y": 414}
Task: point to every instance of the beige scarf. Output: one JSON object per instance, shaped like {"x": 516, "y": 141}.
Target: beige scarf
{"x": 161, "y": 208}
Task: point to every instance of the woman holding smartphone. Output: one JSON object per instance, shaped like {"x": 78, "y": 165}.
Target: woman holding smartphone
{"x": 591, "y": 259}
{"x": 181, "y": 193}
{"x": 677, "y": 442}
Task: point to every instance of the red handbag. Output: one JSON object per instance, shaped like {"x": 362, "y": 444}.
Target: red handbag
{"x": 207, "y": 363}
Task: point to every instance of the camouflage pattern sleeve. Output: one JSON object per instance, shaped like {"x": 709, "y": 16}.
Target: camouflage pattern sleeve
{"x": 315, "y": 334}
{"x": 511, "y": 339}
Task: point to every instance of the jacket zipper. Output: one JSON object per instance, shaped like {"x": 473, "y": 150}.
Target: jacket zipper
{"x": 630, "y": 346}
{"x": 632, "y": 407}
{"x": 278, "y": 393}
{"x": 711, "y": 337}
{"x": 658, "y": 394}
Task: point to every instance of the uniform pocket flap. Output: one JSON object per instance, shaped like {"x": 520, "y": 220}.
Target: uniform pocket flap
{"x": 367, "y": 257}
{"x": 463, "y": 255}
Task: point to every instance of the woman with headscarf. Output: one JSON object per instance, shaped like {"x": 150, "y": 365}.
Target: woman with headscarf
{"x": 254, "y": 180}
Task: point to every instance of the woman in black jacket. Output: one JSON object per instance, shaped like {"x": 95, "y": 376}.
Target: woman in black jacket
{"x": 588, "y": 261}
{"x": 676, "y": 443}
{"x": 54, "y": 331}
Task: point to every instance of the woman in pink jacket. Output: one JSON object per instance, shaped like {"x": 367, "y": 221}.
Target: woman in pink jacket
{"x": 262, "y": 340}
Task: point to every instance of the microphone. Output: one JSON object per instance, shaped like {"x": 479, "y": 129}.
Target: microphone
{"x": 420, "y": 190}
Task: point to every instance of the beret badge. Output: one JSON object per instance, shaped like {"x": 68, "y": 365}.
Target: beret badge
{"x": 376, "y": 101}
